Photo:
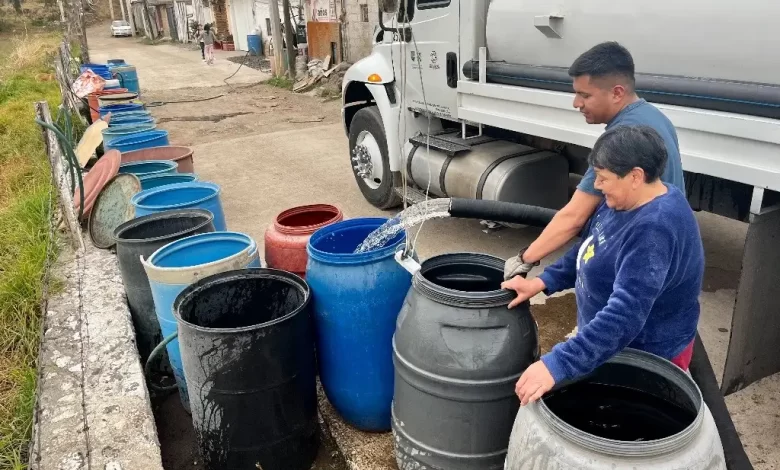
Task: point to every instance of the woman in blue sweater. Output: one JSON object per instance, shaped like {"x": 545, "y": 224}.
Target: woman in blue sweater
{"x": 637, "y": 273}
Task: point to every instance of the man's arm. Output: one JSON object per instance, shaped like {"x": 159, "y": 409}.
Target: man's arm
{"x": 566, "y": 224}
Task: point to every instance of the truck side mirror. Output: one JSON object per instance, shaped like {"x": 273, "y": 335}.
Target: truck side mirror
{"x": 388, "y": 6}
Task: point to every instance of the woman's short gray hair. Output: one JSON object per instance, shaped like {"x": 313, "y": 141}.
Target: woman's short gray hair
{"x": 624, "y": 148}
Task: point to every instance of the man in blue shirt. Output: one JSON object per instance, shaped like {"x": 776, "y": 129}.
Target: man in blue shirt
{"x": 604, "y": 94}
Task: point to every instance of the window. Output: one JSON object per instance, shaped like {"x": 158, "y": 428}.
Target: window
{"x": 268, "y": 26}
{"x": 364, "y": 13}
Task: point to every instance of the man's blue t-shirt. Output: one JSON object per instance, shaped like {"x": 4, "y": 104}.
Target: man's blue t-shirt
{"x": 642, "y": 113}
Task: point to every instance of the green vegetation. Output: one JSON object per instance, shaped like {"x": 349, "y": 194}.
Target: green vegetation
{"x": 280, "y": 82}
{"x": 25, "y": 198}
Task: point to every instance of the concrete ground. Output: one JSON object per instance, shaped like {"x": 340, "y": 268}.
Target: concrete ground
{"x": 257, "y": 144}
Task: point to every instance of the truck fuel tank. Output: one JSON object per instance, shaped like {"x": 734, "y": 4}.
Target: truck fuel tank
{"x": 492, "y": 169}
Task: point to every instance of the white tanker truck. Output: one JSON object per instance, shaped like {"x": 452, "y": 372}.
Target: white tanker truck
{"x": 471, "y": 99}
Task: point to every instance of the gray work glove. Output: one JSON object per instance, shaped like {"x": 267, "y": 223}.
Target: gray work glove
{"x": 515, "y": 266}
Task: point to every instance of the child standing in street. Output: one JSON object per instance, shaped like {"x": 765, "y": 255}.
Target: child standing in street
{"x": 202, "y": 44}
{"x": 208, "y": 41}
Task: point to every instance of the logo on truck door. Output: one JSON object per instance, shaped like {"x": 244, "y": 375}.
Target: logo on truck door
{"x": 434, "y": 61}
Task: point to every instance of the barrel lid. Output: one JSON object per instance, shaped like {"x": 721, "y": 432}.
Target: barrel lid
{"x": 96, "y": 179}
{"x": 112, "y": 208}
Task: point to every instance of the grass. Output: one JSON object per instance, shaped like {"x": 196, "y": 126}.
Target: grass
{"x": 280, "y": 82}
{"x": 25, "y": 189}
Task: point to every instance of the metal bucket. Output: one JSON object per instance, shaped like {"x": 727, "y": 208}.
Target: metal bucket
{"x": 139, "y": 238}
{"x": 248, "y": 351}
{"x": 197, "y": 194}
{"x": 176, "y": 265}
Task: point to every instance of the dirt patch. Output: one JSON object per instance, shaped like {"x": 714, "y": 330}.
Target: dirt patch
{"x": 556, "y": 318}
{"x": 195, "y": 116}
{"x": 254, "y": 62}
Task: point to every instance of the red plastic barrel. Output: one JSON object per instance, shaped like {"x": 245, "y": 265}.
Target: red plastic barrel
{"x": 286, "y": 238}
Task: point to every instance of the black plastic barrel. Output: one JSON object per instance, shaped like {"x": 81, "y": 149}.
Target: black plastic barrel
{"x": 142, "y": 237}
{"x": 247, "y": 345}
{"x": 458, "y": 352}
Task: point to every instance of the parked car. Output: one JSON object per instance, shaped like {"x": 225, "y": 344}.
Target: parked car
{"x": 121, "y": 28}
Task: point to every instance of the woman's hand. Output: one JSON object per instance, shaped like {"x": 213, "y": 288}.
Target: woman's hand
{"x": 525, "y": 289}
{"x": 535, "y": 382}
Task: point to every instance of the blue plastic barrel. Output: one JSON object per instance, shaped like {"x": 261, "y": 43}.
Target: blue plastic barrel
{"x": 116, "y": 109}
{"x": 132, "y": 117}
{"x": 128, "y": 77}
{"x": 114, "y": 132}
{"x": 178, "y": 264}
{"x": 99, "y": 69}
{"x": 148, "y": 167}
{"x": 357, "y": 298}
{"x": 155, "y": 181}
{"x": 255, "y": 44}
{"x": 141, "y": 140}
{"x": 198, "y": 194}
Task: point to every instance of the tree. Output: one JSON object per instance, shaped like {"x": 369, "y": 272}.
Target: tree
{"x": 18, "y": 6}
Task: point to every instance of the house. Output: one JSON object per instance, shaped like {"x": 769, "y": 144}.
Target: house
{"x": 342, "y": 29}
{"x": 162, "y": 19}
{"x": 248, "y": 15}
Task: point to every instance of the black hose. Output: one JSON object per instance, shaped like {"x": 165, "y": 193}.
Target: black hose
{"x": 704, "y": 376}
{"x": 700, "y": 367}
{"x": 498, "y": 211}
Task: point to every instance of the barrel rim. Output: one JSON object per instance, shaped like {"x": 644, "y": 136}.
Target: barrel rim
{"x": 306, "y": 229}
{"x": 152, "y": 176}
{"x": 225, "y": 276}
{"x": 351, "y": 258}
{"x": 129, "y": 128}
{"x": 137, "y": 199}
{"x": 649, "y": 362}
{"x": 185, "y": 151}
{"x": 153, "y": 134}
{"x": 165, "y": 166}
{"x": 173, "y": 213}
{"x": 457, "y": 298}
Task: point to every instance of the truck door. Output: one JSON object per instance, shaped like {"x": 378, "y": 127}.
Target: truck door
{"x": 428, "y": 53}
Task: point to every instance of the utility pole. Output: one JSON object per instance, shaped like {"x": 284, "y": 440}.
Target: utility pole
{"x": 111, "y": 8}
{"x": 276, "y": 33}
{"x": 130, "y": 15}
{"x": 288, "y": 36}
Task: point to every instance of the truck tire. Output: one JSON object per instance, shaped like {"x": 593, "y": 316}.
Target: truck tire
{"x": 369, "y": 160}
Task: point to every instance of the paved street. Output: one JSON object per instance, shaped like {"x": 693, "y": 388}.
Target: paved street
{"x": 266, "y": 159}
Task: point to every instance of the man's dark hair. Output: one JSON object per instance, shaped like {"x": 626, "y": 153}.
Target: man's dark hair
{"x": 608, "y": 59}
{"x": 624, "y": 148}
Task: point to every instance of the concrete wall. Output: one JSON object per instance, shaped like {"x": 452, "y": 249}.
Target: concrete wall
{"x": 358, "y": 32}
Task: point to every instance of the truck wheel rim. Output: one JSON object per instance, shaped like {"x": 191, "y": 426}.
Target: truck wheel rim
{"x": 367, "y": 160}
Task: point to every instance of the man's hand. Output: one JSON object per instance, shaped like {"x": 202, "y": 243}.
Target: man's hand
{"x": 535, "y": 382}
{"x": 525, "y": 289}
